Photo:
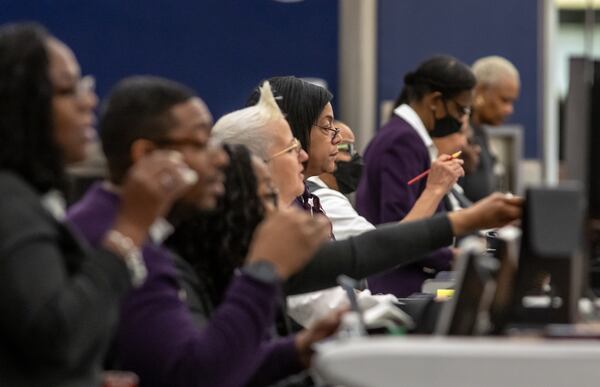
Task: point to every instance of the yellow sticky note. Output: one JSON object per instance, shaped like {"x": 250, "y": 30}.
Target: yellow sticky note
{"x": 444, "y": 293}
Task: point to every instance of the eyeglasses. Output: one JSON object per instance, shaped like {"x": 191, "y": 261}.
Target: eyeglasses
{"x": 180, "y": 142}
{"x": 462, "y": 110}
{"x": 347, "y": 147}
{"x": 334, "y": 131}
{"x": 83, "y": 86}
{"x": 295, "y": 146}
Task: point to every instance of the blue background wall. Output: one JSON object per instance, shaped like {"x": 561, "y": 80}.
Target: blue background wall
{"x": 413, "y": 30}
{"x": 222, "y": 48}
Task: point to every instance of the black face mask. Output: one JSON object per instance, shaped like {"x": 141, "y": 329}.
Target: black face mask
{"x": 445, "y": 126}
{"x": 348, "y": 174}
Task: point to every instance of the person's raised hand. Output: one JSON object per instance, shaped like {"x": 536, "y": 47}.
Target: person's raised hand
{"x": 149, "y": 189}
{"x": 445, "y": 172}
{"x": 288, "y": 239}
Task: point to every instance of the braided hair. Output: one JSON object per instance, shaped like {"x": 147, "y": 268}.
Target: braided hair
{"x": 27, "y": 145}
{"x": 215, "y": 243}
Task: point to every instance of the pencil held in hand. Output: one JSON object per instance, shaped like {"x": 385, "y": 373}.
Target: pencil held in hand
{"x": 422, "y": 175}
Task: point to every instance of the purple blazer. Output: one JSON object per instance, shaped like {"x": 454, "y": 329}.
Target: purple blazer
{"x": 157, "y": 337}
{"x": 393, "y": 157}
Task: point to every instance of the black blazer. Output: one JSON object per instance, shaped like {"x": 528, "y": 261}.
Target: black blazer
{"x": 59, "y": 299}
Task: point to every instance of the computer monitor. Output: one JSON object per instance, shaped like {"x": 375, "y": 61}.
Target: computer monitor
{"x": 550, "y": 258}
{"x": 466, "y": 313}
{"x": 582, "y": 158}
{"x": 593, "y": 184}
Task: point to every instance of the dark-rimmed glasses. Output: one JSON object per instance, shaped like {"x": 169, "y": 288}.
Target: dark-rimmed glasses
{"x": 179, "y": 142}
{"x": 335, "y": 132}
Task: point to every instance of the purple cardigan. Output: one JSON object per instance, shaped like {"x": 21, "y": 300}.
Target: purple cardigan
{"x": 393, "y": 157}
{"x": 157, "y": 338}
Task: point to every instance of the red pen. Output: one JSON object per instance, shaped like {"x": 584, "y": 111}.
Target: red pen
{"x": 422, "y": 175}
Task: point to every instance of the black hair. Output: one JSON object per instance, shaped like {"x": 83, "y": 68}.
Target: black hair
{"x": 443, "y": 73}
{"x": 216, "y": 242}
{"x": 301, "y": 102}
{"x": 137, "y": 107}
{"x": 27, "y": 145}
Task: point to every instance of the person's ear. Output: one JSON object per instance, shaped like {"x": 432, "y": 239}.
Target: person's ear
{"x": 140, "y": 148}
{"x": 479, "y": 93}
{"x": 434, "y": 102}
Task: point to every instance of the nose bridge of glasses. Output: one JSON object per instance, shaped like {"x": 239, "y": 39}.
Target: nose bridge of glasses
{"x": 336, "y": 138}
{"x": 85, "y": 85}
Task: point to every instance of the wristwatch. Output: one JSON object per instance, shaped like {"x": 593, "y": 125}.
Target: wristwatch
{"x": 262, "y": 271}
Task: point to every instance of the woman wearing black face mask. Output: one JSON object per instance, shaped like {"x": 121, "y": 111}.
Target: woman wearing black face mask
{"x": 434, "y": 100}
{"x": 347, "y": 173}
{"x": 348, "y": 163}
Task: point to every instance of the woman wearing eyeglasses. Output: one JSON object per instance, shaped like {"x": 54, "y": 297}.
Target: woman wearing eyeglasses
{"x": 436, "y": 98}
{"x": 59, "y": 299}
{"x": 308, "y": 111}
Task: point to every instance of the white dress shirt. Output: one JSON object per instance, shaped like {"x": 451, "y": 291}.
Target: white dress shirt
{"x": 408, "y": 114}
{"x": 345, "y": 220}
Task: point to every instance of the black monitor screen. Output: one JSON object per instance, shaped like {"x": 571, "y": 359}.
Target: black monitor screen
{"x": 474, "y": 284}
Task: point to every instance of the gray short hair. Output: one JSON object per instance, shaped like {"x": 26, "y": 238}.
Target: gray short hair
{"x": 249, "y": 126}
{"x": 491, "y": 70}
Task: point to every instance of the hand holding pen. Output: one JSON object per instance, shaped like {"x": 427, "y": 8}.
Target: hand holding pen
{"x": 446, "y": 170}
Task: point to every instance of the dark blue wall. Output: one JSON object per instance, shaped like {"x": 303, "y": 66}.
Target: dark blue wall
{"x": 222, "y": 48}
{"x": 413, "y": 30}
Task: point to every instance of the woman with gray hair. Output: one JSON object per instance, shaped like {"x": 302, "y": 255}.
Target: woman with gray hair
{"x": 263, "y": 129}
{"x": 496, "y": 91}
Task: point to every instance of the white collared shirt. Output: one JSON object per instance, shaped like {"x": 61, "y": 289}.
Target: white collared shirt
{"x": 346, "y": 222}
{"x": 407, "y": 113}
